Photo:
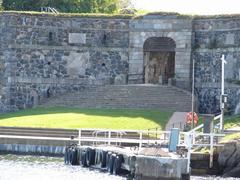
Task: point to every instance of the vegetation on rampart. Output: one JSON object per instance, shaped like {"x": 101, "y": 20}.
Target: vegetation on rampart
{"x": 81, "y": 15}
{"x": 69, "y": 6}
{"x": 136, "y": 15}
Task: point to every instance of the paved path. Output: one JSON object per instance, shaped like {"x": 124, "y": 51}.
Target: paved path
{"x": 177, "y": 120}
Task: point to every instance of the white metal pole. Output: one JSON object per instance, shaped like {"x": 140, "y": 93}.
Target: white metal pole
{"x": 109, "y": 137}
{"x": 140, "y": 138}
{"x": 211, "y": 151}
{"x": 79, "y": 137}
{"x": 193, "y": 71}
{"x": 189, "y": 147}
{"x": 222, "y": 93}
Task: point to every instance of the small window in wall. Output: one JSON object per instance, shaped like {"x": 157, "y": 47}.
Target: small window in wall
{"x": 104, "y": 39}
{"x": 50, "y": 36}
{"x": 154, "y": 69}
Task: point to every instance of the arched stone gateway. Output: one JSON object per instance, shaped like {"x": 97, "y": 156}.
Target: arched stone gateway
{"x": 162, "y": 38}
{"x": 159, "y": 60}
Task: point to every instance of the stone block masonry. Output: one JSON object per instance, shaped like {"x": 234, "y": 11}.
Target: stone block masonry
{"x": 212, "y": 38}
{"x": 46, "y": 55}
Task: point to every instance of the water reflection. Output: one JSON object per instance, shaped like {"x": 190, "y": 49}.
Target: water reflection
{"x": 16, "y": 167}
{"x": 13, "y": 167}
{"x": 212, "y": 178}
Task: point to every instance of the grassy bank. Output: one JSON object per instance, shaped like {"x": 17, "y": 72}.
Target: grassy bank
{"x": 59, "y": 117}
{"x": 229, "y": 137}
{"x": 232, "y": 122}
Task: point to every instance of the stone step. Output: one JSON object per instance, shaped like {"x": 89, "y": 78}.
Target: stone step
{"x": 181, "y": 100}
{"x": 126, "y": 96}
{"x": 140, "y": 102}
{"x": 59, "y": 133}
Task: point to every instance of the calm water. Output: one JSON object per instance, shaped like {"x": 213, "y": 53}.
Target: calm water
{"x": 15, "y": 167}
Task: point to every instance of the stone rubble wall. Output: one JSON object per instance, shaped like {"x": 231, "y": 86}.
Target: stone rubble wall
{"x": 212, "y": 38}
{"x": 43, "y": 53}
{"x": 47, "y": 55}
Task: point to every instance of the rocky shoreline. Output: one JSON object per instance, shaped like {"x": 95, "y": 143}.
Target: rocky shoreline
{"x": 229, "y": 159}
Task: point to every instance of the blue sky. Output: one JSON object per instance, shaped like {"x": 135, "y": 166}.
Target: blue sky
{"x": 190, "y": 6}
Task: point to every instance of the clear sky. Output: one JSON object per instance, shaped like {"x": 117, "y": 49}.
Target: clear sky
{"x": 190, "y": 6}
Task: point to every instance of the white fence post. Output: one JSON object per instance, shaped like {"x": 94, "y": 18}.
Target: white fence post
{"x": 79, "y": 137}
{"x": 140, "y": 144}
{"x": 193, "y": 137}
{"x": 117, "y": 138}
{"x": 189, "y": 147}
{"x": 211, "y": 151}
{"x": 109, "y": 138}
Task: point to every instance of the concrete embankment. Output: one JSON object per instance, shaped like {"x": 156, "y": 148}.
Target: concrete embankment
{"x": 40, "y": 141}
{"x": 32, "y": 149}
{"x": 160, "y": 168}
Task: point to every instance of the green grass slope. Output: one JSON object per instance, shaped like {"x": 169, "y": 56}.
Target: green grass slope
{"x": 232, "y": 122}
{"x": 59, "y": 117}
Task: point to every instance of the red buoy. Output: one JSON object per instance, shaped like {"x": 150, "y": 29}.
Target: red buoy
{"x": 189, "y": 118}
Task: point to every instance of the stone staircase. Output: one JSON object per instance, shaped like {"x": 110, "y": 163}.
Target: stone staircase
{"x": 126, "y": 96}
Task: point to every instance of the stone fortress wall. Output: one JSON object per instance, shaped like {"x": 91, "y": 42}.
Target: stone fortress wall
{"x": 213, "y": 37}
{"x": 44, "y": 55}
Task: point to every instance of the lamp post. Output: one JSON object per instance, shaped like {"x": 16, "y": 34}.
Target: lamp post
{"x": 223, "y": 96}
{"x": 193, "y": 76}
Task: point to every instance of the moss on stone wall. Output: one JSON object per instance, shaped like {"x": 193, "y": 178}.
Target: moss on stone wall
{"x": 122, "y": 16}
{"x": 217, "y": 16}
{"x": 88, "y": 15}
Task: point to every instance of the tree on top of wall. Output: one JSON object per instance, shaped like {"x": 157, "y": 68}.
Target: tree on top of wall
{"x": 68, "y": 6}
{"x": 35, "y": 5}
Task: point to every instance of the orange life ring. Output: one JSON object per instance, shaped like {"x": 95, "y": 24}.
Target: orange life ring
{"x": 189, "y": 118}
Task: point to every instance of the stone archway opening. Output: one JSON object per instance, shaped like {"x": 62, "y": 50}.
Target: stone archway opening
{"x": 159, "y": 60}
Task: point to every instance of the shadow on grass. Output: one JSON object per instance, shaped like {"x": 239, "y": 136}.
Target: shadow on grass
{"x": 157, "y": 116}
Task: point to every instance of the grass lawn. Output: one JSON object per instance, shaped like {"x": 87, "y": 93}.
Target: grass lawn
{"x": 59, "y": 117}
{"x": 232, "y": 122}
{"x": 235, "y": 136}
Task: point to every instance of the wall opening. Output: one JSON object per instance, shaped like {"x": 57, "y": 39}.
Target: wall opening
{"x": 159, "y": 60}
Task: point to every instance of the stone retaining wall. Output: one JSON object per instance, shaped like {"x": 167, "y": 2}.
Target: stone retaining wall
{"x": 42, "y": 53}
{"x": 212, "y": 38}
{"x": 47, "y": 55}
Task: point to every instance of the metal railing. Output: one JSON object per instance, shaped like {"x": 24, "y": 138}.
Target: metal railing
{"x": 191, "y": 140}
{"x": 117, "y": 137}
{"x": 141, "y": 138}
{"x": 196, "y": 138}
{"x": 36, "y": 137}
{"x": 49, "y": 10}
{"x": 200, "y": 127}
